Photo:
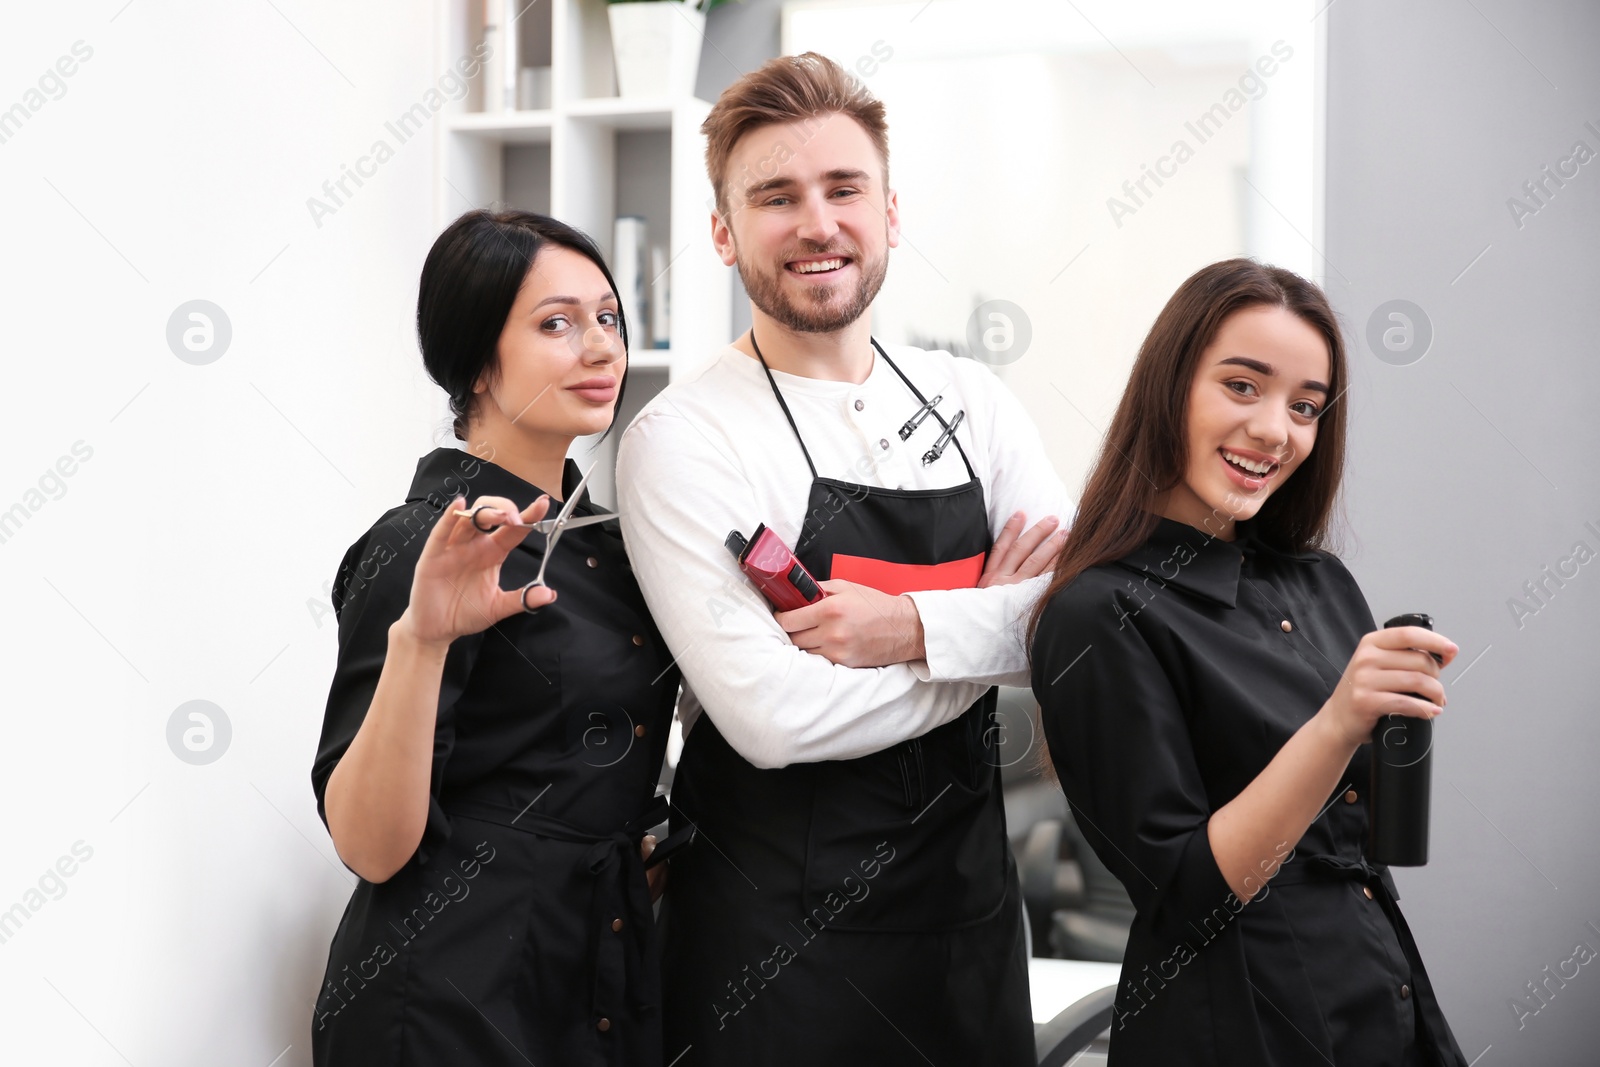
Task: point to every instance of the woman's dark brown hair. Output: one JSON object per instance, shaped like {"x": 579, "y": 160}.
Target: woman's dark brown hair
{"x": 469, "y": 282}
{"x": 1145, "y": 452}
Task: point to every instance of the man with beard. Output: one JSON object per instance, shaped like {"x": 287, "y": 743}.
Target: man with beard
{"x": 850, "y": 897}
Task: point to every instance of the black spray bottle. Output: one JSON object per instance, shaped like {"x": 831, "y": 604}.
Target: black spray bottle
{"x": 1402, "y": 774}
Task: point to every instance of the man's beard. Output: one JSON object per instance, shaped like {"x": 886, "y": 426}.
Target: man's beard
{"x": 816, "y": 311}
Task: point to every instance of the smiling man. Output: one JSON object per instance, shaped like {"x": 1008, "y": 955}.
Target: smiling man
{"x": 851, "y": 897}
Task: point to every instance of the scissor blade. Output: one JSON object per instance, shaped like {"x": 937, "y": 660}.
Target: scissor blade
{"x": 571, "y": 524}
{"x": 573, "y": 497}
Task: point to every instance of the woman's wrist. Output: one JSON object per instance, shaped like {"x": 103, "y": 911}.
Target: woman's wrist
{"x": 404, "y": 640}
{"x": 1328, "y": 734}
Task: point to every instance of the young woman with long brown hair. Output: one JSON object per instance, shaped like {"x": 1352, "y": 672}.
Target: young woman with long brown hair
{"x": 1209, "y": 676}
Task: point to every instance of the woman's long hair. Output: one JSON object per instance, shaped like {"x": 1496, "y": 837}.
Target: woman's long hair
{"x": 1145, "y": 452}
{"x": 469, "y": 282}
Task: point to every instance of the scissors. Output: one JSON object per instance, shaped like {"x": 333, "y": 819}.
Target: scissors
{"x": 551, "y": 528}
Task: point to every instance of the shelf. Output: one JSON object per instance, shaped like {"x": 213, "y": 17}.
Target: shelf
{"x": 588, "y": 158}
{"x": 612, "y": 112}
{"x": 622, "y": 113}
{"x": 508, "y": 127}
{"x": 650, "y": 359}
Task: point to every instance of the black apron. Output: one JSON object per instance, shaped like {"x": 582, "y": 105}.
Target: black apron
{"x": 853, "y": 911}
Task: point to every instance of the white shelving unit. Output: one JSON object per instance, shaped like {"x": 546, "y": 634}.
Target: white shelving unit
{"x": 586, "y": 159}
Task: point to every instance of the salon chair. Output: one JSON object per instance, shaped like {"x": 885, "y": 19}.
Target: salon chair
{"x": 1096, "y": 925}
{"x": 1076, "y": 908}
{"x": 1071, "y": 1003}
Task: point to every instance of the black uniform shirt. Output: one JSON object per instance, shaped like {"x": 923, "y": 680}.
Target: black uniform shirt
{"x": 571, "y": 703}
{"x": 549, "y": 736}
{"x": 1167, "y": 681}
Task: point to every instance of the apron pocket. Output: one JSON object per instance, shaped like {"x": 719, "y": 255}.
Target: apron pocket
{"x": 905, "y": 840}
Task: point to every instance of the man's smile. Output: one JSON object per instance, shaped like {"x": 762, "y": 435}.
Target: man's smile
{"x": 818, "y": 266}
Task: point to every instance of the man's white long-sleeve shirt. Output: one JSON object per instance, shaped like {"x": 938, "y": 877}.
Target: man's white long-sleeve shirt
{"x": 713, "y": 453}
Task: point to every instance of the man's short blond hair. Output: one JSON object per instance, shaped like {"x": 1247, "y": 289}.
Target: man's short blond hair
{"x": 807, "y": 88}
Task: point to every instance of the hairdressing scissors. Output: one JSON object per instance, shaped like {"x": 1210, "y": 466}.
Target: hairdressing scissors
{"x": 563, "y": 521}
{"x": 551, "y": 528}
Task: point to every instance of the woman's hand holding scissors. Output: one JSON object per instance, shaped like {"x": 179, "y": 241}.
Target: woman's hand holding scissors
{"x": 456, "y": 589}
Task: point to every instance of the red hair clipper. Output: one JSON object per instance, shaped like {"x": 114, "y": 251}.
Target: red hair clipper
{"x": 782, "y": 578}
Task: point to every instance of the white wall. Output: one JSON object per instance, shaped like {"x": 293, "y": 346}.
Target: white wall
{"x": 1474, "y": 467}
{"x": 186, "y": 558}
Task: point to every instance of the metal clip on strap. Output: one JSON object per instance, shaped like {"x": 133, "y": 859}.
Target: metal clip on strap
{"x": 932, "y": 454}
{"x": 916, "y": 420}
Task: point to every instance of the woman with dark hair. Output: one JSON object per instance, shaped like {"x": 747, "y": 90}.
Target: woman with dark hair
{"x": 490, "y": 749}
{"x": 1209, "y": 677}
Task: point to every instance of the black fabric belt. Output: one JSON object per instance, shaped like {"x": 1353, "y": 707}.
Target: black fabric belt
{"x": 1321, "y": 868}
{"x": 618, "y": 891}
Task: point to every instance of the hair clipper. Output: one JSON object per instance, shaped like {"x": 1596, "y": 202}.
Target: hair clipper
{"x": 782, "y": 578}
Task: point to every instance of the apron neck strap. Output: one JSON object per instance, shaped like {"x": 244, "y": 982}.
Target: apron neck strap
{"x": 914, "y": 391}
{"x": 783, "y": 404}
{"x": 924, "y": 401}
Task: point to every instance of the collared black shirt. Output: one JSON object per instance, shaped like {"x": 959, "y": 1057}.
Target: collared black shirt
{"x": 1167, "y": 681}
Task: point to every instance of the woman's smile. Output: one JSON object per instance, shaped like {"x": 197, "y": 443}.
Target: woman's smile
{"x": 597, "y": 390}
{"x": 1249, "y": 470}
{"x": 1262, "y": 379}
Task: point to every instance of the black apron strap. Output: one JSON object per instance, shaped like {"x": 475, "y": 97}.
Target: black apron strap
{"x": 914, "y": 392}
{"x": 924, "y": 401}
{"x": 781, "y": 403}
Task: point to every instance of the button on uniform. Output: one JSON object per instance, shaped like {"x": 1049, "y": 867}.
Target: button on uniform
{"x": 638, "y": 731}
{"x": 592, "y": 562}
{"x": 638, "y": 640}
{"x": 1405, "y": 992}
{"x": 1367, "y": 889}
{"x": 616, "y": 925}
{"x": 1350, "y": 796}
{"x": 1286, "y": 626}
{"x": 860, "y": 404}
{"x": 603, "y": 1025}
